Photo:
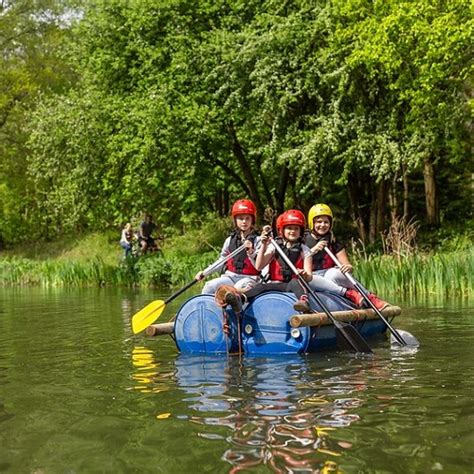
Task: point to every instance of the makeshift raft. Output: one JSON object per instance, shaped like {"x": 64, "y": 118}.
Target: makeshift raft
{"x": 268, "y": 325}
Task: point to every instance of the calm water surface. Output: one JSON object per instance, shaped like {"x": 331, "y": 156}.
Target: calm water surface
{"x": 79, "y": 393}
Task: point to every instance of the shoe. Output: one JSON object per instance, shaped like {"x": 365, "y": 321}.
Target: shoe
{"x": 233, "y": 299}
{"x": 355, "y": 297}
{"x": 302, "y": 305}
{"x": 377, "y": 302}
{"x": 221, "y": 293}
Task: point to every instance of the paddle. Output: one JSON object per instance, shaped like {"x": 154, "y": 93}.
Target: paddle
{"x": 409, "y": 339}
{"x": 150, "y": 313}
{"x": 347, "y": 336}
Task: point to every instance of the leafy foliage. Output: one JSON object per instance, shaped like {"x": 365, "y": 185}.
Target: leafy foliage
{"x": 179, "y": 107}
{"x": 31, "y": 35}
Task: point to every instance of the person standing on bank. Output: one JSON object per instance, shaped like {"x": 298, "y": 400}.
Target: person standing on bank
{"x": 126, "y": 239}
{"x": 240, "y": 271}
{"x": 320, "y": 235}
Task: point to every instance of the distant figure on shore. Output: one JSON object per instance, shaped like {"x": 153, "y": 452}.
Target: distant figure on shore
{"x": 126, "y": 239}
{"x": 145, "y": 235}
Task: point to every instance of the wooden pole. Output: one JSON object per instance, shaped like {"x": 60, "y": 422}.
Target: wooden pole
{"x": 160, "y": 329}
{"x": 320, "y": 319}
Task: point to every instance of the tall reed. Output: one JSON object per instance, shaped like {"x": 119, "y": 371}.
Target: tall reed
{"x": 421, "y": 274}
{"x": 418, "y": 275}
{"x": 145, "y": 271}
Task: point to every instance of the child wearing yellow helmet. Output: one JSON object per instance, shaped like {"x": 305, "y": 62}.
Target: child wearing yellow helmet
{"x": 326, "y": 276}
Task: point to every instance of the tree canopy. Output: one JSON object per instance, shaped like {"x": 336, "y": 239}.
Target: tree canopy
{"x": 178, "y": 107}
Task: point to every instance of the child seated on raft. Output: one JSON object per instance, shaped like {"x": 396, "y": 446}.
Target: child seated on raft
{"x": 326, "y": 277}
{"x": 240, "y": 270}
{"x": 290, "y": 227}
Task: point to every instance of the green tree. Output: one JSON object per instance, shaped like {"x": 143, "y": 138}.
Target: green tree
{"x": 184, "y": 105}
{"x": 31, "y": 34}
{"x": 408, "y": 66}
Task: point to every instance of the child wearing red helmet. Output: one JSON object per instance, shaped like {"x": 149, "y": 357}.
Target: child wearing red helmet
{"x": 240, "y": 271}
{"x": 290, "y": 227}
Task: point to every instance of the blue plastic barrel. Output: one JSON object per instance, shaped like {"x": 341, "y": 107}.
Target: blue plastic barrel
{"x": 266, "y": 326}
{"x": 199, "y": 327}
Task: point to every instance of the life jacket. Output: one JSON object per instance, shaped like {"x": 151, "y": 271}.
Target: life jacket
{"x": 279, "y": 270}
{"x": 321, "y": 260}
{"x": 241, "y": 263}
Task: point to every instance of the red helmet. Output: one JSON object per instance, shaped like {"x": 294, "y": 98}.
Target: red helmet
{"x": 278, "y": 224}
{"x": 291, "y": 217}
{"x": 244, "y": 206}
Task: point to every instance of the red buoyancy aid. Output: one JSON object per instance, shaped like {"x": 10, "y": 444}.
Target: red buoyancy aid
{"x": 241, "y": 263}
{"x": 321, "y": 260}
{"x": 279, "y": 270}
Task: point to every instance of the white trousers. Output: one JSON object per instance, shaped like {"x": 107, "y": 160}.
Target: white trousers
{"x": 241, "y": 282}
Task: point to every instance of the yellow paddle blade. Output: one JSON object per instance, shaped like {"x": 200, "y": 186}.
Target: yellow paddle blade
{"x": 148, "y": 315}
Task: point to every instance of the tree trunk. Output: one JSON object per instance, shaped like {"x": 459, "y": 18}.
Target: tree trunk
{"x": 355, "y": 209}
{"x": 405, "y": 193}
{"x": 222, "y": 202}
{"x": 431, "y": 198}
{"x": 245, "y": 168}
{"x": 218, "y": 201}
{"x": 377, "y": 210}
{"x": 266, "y": 189}
{"x": 225, "y": 203}
{"x": 373, "y": 216}
{"x": 381, "y": 203}
{"x": 393, "y": 200}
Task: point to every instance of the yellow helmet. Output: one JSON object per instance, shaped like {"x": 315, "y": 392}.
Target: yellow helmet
{"x": 319, "y": 210}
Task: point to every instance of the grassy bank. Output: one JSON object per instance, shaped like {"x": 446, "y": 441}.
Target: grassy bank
{"x": 145, "y": 271}
{"x": 96, "y": 260}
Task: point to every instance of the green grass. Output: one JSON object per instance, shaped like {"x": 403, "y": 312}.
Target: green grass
{"x": 97, "y": 260}
{"x": 71, "y": 248}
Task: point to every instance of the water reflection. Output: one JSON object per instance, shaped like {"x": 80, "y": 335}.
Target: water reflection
{"x": 280, "y": 413}
{"x": 146, "y": 371}
{"x": 80, "y": 393}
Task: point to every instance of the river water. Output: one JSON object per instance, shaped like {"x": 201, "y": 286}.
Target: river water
{"x": 79, "y": 393}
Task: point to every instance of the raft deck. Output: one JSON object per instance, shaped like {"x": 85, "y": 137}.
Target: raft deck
{"x": 300, "y": 320}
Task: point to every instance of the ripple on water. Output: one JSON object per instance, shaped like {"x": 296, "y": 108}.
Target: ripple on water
{"x": 77, "y": 388}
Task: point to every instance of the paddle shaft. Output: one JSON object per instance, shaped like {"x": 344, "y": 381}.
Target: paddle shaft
{"x": 152, "y": 311}
{"x": 206, "y": 272}
{"x": 337, "y": 324}
{"x": 211, "y": 268}
{"x": 363, "y": 292}
{"x": 179, "y": 292}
